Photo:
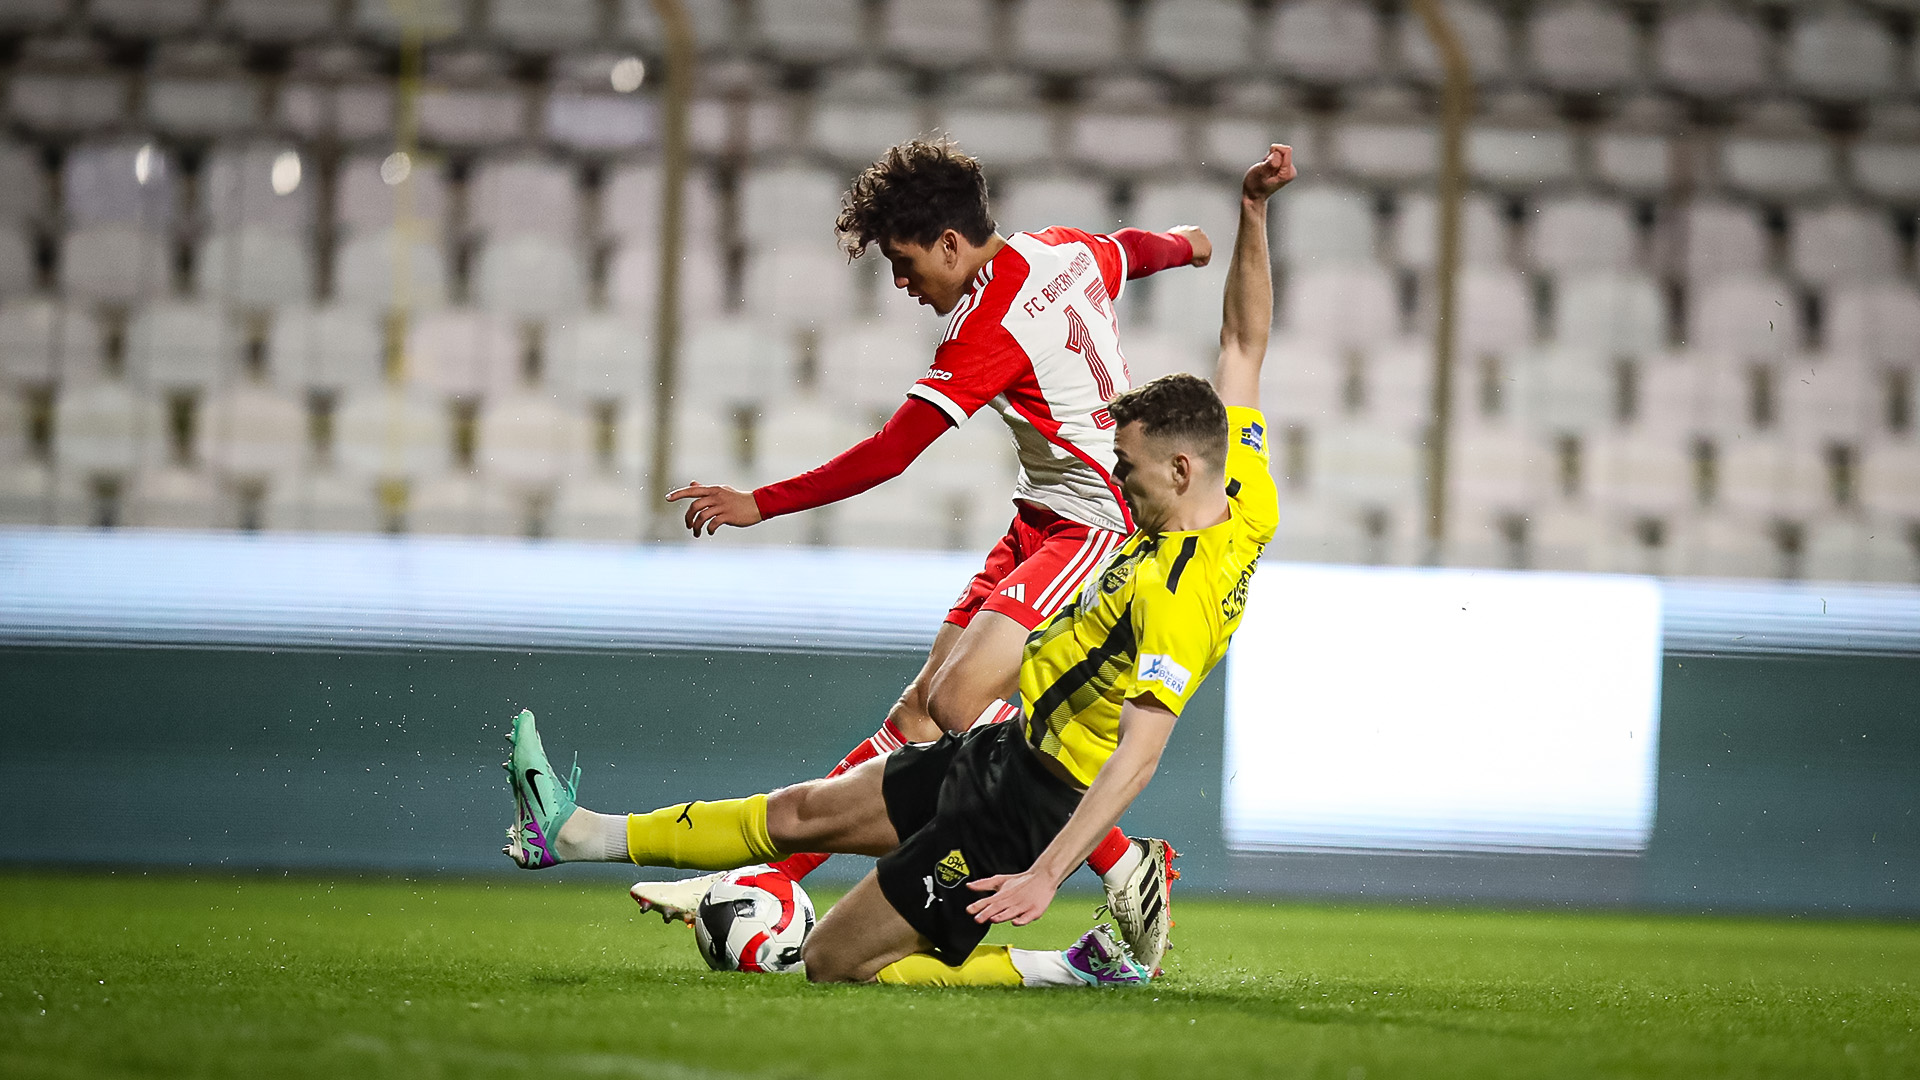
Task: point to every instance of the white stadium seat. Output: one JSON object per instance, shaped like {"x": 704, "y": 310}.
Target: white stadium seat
{"x": 1831, "y": 398}
{"x": 1844, "y": 243}
{"x": 1068, "y": 35}
{"x": 61, "y": 99}
{"x": 794, "y": 288}
{"x": 1728, "y": 545}
{"x": 1849, "y": 549}
{"x": 1583, "y": 233}
{"x": 1890, "y": 480}
{"x": 1841, "y": 53}
{"x": 1778, "y": 166}
{"x": 532, "y": 438}
{"x": 1198, "y": 38}
{"x": 1645, "y": 473}
{"x": 1482, "y": 34}
{"x": 1765, "y": 474}
{"x": 530, "y": 275}
{"x": 1327, "y": 41}
{"x": 432, "y": 19}
{"x": 1125, "y": 124}
{"x": 1324, "y": 226}
{"x": 1495, "y": 310}
{"x": 1416, "y": 230}
{"x": 255, "y": 430}
{"x": 279, "y": 21}
{"x": 1041, "y": 202}
{"x": 333, "y": 348}
{"x": 263, "y": 185}
{"x": 1879, "y": 321}
{"x": 483, "y": 114}
{"x": 147, "y": 18}
{"x": 44, "y": 342}
{"x": 859, "y": 113}
{"x": 323, "y": 500}
{"x": 18, "y": 273}
{"x": 811, "y": 31}
{"x": 385, "y": 432}
{"x": 735, "y": 362}
{"x": 597, "y": 508}
{"x": 255, "y": 267}
{"x": 595, "y": 122}
{"x": 465, "y": 352}
{"x": 630, "y": 204}
{"x": 1582, "y": 46}
{"x": 366, "y": 202}
{"x": 202, "y": 104}
{"x": 105, "y": 426}
{"x": 1615, "y": 314}
{"x": 789, "y": 206}
{"x": 171, "y": 498}
{"x": 180, "y": 345}
{"x": 115, "y": 263}
{"x": 524, "y": 195}
{"x": 1637, "y": 161}
{"x": 1343, "y": 305}
{"x": 544, "y": 25}
{"x": 1387, "y": 151}
{"x": 940, "y": 33}
{"x": 599, "y": 357}
{"x": 23, "y": 188}
{"x": 376, "y": 268}
{"x": 126, "y": 182}
{"x": 633, "y": 280}
{"x": 1719, "y": 238}
{"x": 713, "y": 23}
{"x": 1748, "y": 316}
{"x": 1009, "y": 134}
{"x": 870, "y": 364}
{"x": 464, "y": 504}
{"x": 1711, "y": 51}
{"x": 1520, "y": 155}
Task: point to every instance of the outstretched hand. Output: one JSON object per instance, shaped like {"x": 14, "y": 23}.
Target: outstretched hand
{"x": 1017, "y": 898}
{"x": 1270, "y": 173}
{"x": 715, "y": 505}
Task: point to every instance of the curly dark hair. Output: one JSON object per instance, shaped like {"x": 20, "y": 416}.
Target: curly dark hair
{"x": 1180, "y": 406}
{"x": 916, "y": 191}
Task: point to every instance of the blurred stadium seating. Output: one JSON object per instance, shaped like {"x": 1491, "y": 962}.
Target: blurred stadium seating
{"x": 1689, "y": 313}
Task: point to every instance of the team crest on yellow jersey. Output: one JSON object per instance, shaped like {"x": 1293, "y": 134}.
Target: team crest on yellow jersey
{"x": 952, "y": 870}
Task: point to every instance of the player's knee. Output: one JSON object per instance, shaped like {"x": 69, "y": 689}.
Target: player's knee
{"x": 909, "y": 715}
{"x": 823, "y": 966}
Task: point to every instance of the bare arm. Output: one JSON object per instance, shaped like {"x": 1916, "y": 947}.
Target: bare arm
{"x": 1247, "y": 311}
{"x": 1145, "y": 725}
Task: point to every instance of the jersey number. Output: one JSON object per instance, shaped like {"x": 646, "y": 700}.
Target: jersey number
{"x": 1081, "y": 342}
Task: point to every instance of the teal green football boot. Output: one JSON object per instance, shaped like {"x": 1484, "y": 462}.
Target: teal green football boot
{"x": 541, "y": 803}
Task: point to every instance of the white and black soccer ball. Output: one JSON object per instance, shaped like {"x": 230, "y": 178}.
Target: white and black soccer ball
{"x": 754, "y": 919}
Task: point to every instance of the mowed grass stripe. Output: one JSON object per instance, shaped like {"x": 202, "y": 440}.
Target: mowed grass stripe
{"x": 135, "y": 975}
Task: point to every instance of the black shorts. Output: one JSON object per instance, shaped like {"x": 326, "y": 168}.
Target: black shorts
{"x": 966, "y": 807}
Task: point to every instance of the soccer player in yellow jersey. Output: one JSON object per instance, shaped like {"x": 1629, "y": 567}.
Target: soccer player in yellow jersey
{"x": 982, "y": 828}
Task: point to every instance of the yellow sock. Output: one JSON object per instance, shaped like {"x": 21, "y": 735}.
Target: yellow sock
{"x": 987, "y": 965}
{"x": 703, "y": 835}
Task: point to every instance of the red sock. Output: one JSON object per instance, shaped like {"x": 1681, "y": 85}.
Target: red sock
{"x": 1109, "y": 851}
{"x": 884, "y": 741}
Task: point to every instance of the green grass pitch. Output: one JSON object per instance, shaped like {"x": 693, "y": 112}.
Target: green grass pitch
{"x": 134, "y": 975}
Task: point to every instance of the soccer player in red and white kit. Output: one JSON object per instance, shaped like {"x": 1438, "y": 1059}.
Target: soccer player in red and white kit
{"x": 1033, "y": 333}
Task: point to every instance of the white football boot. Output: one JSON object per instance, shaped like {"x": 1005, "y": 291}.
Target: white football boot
{"x": 673, "y": 899}
{"x": 1143, "y": 905}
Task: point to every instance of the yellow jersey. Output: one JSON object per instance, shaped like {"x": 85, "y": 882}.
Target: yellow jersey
{"x": 1154, "y": 619}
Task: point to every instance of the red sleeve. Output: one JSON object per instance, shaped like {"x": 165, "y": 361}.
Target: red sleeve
{"x": 878, "y": 458}
{"x": 1152, "y": 252}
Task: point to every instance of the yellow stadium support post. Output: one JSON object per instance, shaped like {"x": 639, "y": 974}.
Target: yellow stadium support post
{"x": 1456, "y": 108}
{"x": 666, "y": 337}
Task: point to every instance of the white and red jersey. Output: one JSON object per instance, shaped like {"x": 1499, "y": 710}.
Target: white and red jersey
{"x": 1038, "y": 339}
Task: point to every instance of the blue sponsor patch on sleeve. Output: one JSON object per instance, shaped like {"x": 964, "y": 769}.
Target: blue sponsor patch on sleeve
{"x": 1253, "y": 435}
